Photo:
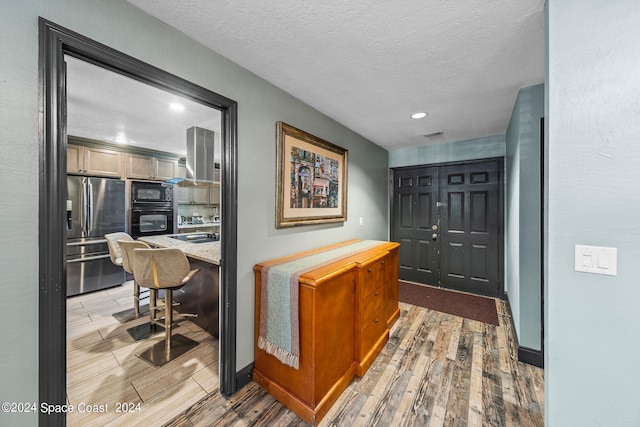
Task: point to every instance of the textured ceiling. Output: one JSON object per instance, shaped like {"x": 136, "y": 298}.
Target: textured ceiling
{"x": 107, "y": 106}
{"x": 369, "y": 65}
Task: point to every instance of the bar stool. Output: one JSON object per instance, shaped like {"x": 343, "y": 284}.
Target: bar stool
{"x": 115, "y": 253}
{"x": 144, "y": 330}
{"x": 167, "y": 269}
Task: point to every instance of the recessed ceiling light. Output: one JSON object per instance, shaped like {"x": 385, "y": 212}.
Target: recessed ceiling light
{"x": 418, "y": 115}
{"x": 176, "y": 107}
{"x": 121, "y": 138}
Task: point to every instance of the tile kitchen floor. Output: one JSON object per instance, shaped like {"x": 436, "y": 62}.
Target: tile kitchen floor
{"x": 107, "y": 384}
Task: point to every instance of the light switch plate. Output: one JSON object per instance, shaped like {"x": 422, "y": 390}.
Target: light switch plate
{"x": 596, "y": 260}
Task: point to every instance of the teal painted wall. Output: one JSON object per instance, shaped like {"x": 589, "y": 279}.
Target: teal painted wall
{"x": 523, "y": 211}
{"x": 471, "y": 149}
{"x": 260, "y": 105}
{"x": 591, "y": 321}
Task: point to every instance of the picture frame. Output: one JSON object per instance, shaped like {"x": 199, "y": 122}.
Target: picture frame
{"x": 311, "y": 179}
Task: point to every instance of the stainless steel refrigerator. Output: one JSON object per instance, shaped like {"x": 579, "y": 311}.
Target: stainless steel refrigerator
{"x": 95, "y": 207}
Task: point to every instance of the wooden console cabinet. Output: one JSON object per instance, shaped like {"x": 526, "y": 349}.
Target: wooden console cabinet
{"x": 346, "y": 309}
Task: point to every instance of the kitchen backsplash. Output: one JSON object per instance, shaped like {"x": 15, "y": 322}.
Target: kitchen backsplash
{"x": 205, "y": 211}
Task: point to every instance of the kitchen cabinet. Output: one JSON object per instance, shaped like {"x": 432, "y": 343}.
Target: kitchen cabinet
{"x": 199, "y": 195}
{"x": 94, "y": 161}
{"x": 193, "y": 195}
{"x": 182, "y": 171}
{"x": 150, "y": 167}
{"x": 346, "y": 308}
{"x": 214, "y": 194}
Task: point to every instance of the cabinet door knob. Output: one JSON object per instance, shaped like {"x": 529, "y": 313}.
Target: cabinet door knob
{"x": 376, "y": 293}
{"x": 382, "y": 263}
{"x": 369, "y": 270}
{"x": 375, "y": 321}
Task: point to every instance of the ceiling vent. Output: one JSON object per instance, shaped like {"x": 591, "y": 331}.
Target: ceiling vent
{"x": 433, "y": 134}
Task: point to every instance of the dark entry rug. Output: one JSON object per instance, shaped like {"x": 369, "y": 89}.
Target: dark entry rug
{"x": 460, "y": 304}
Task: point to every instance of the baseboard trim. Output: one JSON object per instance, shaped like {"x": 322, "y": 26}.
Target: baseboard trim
{"x": 244, "y": 376}
{"x": 525, "y": 354}
{"x": 531, "y": 356}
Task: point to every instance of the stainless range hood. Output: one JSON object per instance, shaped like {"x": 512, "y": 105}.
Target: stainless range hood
{"x": 200, "y": 162}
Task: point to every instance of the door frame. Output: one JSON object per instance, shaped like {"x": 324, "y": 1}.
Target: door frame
{"x": 54, "y": 42}
{"x": 501, "y": 174}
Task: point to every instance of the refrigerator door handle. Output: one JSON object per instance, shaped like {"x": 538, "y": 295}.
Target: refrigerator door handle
{"x": 85, "y": 208}
{"x": 87, "y": 243}
{"x": 89, "y": 258}
{"x": 90, "y": 208}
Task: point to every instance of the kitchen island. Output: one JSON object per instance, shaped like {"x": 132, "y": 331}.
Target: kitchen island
{"x": 201, "y": 294}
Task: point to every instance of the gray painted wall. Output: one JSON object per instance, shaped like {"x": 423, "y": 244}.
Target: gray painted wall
{"x": 512, "y": 220}
{"x": 523, "y": 216}
{"x": 531, "y": 101}
{"x": 260, "y": 105}
{"x": 591, "y": 321}
{"x": 471, "y": 149}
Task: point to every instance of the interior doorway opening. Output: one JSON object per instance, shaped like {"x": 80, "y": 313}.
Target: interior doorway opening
{"x": 55, "y": 43}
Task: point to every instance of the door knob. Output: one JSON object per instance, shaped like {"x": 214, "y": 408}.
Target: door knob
{"x": 434, "y": 236}
{"x": 434, "y": 227}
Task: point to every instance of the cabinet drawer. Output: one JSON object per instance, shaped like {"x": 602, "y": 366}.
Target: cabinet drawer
{"x": 372, "y": 307}
{"x": 370, "y": 333}
{"x": 372, "y": 275}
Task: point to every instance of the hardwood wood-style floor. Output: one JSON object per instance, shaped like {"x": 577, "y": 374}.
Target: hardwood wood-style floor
{"x": 107, "y": 384}
{"x": 436, "y": 370}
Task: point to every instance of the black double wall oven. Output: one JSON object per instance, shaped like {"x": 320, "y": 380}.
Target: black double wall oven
{"x": 152, "y": 209}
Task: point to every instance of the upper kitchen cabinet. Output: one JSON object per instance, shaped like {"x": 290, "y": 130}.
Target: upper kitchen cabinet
{"x": 87, "y": 160}
{"x": 194, "y": 195}
{"x": 214, "y": 194}
{"x": 151, "y": 167}
{"x": 205, "y": 194}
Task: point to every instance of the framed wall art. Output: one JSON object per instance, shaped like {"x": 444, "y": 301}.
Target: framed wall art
{"x": 311, "y": 179}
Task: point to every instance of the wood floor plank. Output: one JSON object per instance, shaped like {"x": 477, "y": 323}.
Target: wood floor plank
{"x": 408, "y": 399}
{"x": 437, "y": 418}
{"x": 208, "y": 377}
{"x": 441, "y": 342}
{"x": 492, "y": 400}
{"x": 374, "y": 399}
{"x": 537, "y": 375}
{"x": 475, "y": 383}
{"x": 434, "y": 394}
{"x": 452, "y": 351}
{"x": 458, "y": 400}
{"x": 346, "y": 409}
{"x": 91, "y": 366}
{"x": 164, "y": 406}
{"x": 107, "y": 397}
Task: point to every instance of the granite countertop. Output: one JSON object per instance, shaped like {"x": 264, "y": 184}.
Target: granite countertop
{"x": 207, "y": 252}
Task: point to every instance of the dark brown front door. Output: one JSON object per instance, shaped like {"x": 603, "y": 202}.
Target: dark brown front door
{"x": 448, "y": 221}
